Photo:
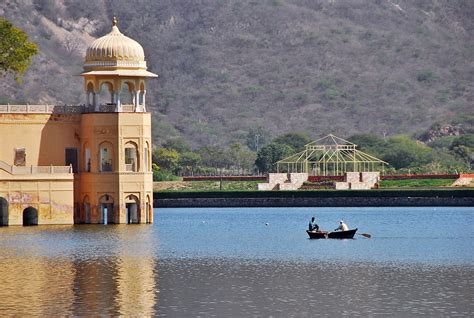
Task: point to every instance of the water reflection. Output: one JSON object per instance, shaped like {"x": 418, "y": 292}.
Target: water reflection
{"x": 230, "y": 263}
{"x": 36, "y": 286}
{"x": 245, "y": 288}
{"x": 67, "y": 280}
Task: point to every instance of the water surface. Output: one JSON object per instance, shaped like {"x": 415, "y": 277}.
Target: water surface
{"x": 245, "y": 262}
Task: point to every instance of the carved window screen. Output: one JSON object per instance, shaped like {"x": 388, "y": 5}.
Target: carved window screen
{"x": 20, "y": 157}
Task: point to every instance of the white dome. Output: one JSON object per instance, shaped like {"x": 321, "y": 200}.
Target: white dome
{"x": 115, "y": 47}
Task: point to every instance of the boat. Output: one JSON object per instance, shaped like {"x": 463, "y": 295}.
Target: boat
{"x": 332, "y": 235}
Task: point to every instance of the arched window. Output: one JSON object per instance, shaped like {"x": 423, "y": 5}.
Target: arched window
{"x": 87, "y": 210}
{"x": 106, "y": 157}
{"x": 131, "y": 157}
{"x": 127, "y": 93}
{"x": 105, "y": 94}
{"x": 132, "y": 205}
{"x": 149, "y": 210}
{"x": 106, "y": 208}
{"x": 87, "y": 158}
{"x": 90, "y": 94}
{"x": 146, "y": 157}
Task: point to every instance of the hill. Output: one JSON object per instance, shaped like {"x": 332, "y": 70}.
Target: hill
{"x": 228, "y": 67}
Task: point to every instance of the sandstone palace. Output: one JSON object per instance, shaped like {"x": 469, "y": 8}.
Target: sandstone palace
{"x": 88, "y": 163}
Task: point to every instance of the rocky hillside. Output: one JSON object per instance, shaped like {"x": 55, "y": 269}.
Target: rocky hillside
{"x": 228, "y": 67}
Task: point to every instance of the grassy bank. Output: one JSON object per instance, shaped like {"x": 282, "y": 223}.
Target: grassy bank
{"x": 192, "y": 186}
{"x": 416, "y": 183}
{"x": 388, "y": 193}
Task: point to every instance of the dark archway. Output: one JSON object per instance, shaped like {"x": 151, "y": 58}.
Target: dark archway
{"x": 3, "y": 212}
{"x": 107, "y": 212}
{"x": 132, "y": 205}
{"x": 30, "y": 216}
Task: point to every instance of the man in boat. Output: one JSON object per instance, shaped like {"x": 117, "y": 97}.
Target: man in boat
{"x": 342, "y": 226}
{"x": 312, "y": 224}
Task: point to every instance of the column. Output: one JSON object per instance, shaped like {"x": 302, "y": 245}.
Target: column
{"x": 112, "y": 97}
{"x": 96, "y": 101}
{"x": 118, "y": 106}
{"x": 143, "y": 100}
{"x": 137, "y": 100}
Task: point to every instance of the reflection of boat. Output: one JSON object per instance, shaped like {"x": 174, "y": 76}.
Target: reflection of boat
{"x": 332, "y": 235}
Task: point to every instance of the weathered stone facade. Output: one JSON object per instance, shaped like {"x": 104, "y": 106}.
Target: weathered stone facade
{"x": 87, "y": 163}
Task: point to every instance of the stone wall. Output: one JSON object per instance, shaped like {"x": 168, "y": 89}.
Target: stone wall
{"x": 359, "y": 181}
{"x": 283, "y": 181}
{"x": 315, "y": 202}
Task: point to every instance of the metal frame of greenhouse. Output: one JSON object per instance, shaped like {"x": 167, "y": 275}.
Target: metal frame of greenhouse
{"x": 331, "y": 156}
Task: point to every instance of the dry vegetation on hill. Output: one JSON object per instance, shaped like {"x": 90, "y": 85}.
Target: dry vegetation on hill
{"x": 227, "y": 67}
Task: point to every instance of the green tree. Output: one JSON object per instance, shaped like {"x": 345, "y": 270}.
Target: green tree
{"x": 295, "y": 140}
{"x": 402, "y": 152}
{"x": 167, "y": 159}
{"x": 463, "y": 148}
{"x": 178, "y": 144}
{"x": 369, "y": 143}
{"x": 242, "y": 158}
{"x": 270, "y": 154}
{"x": 15, "y": 49}
{"x": 189, "y": 161}
{"x": 215, "y": 157}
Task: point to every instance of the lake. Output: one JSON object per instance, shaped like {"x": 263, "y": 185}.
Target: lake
{"x": 245, "y": 262}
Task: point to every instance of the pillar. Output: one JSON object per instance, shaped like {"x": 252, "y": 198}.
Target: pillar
{"x": 143, "y": 100}
{"x": 118, "y": 106}
{"x": 137, "y": 100}
{"x": 96, "y": 101}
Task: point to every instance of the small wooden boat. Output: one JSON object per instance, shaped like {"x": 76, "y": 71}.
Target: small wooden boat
{"x": 332, "y": 235}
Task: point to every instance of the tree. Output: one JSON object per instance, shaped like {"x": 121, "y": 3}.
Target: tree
{"x": 372, "y": 144}
{"x": 178, "y": 144}
{"x": 256, "y": 138}
{"x": 296, "y": 140}
{"x": 189, "y": 161}
{"x": 15, "y": 49}
{"x": 270, "y": 154}
{"x": 242, "y": 158}
{"x": 71, "y": 45}
{"x": 214, "y": 156}
{"x": 402, "y": 152}
{"x": 463, "y": 148}
{"x": 167, "y": 159}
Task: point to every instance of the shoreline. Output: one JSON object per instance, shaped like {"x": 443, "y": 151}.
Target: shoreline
{"x": 321, "y": 198}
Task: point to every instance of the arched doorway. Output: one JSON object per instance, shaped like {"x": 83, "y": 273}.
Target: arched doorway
{"x": 106, "y": 205}
{"x": 149, "y": 209}
{"x": 87, "y": 210}
{"x": 3, "y": 212}
{"x": 132, "y": 205}
{"x": 30, "y": 216}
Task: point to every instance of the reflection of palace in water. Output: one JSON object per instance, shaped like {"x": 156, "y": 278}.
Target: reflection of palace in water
{"x": 88, "y": 163}
{"x": 122, "y": 284}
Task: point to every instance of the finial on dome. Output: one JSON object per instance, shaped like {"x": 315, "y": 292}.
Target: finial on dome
{"x": 114, "y": 21}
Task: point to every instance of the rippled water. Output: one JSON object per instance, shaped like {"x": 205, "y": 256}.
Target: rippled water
{"x": 245, "y": 262}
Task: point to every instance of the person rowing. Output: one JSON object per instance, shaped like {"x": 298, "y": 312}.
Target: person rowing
{"x": 312, "y": 224}
{"x": 342, "y": 226}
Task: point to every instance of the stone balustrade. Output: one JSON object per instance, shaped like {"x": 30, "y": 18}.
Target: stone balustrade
{"x": 62, "y": 109}
{"x": 31, "y": 170}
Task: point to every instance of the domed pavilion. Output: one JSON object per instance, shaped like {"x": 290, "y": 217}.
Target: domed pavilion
{"x": 116, "y": 63}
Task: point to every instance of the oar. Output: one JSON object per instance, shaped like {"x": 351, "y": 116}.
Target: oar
{"x": 367, "y": 235}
